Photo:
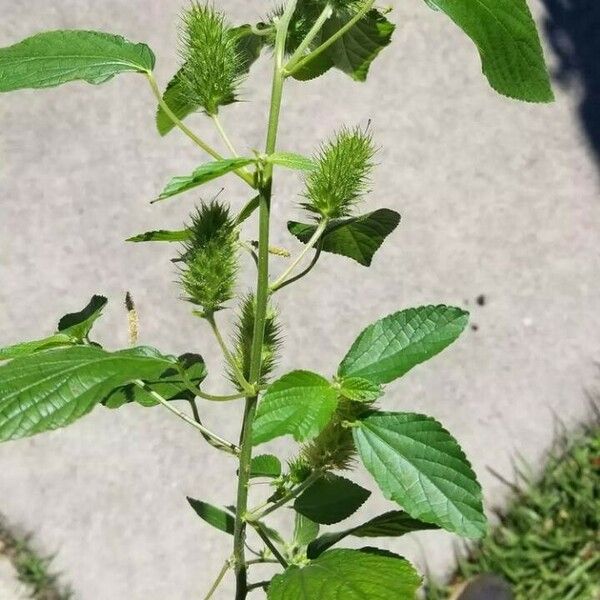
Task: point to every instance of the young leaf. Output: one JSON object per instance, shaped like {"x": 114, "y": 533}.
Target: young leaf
{"x": 52, "y": 389}
{"x": 348, "y": 574}
{"x": 203, "y": 174}
{"x": 249, "y": 46}
{"x": 265, "y": 465}
{"x": 161, "y": 235}
{"x": 78, "y": 325}
{"x": 300, "y": 403}
{"x": 26, "y": 348}
{"x": 357, "y": 238}
{"x": 55, "y": 57}
{"x": 395, "y": 523}
{"x": 395, "y": 344}
{"x": 214, "y": 516}
{"x": 305, "y": 530}
{"x": 507, "y": 39}
{"x": 291, "y": 160}
{"x": 359, "y": 389}
{"x": 331, "y": 499}
{"x": 419, "y": 465}
{"x": 168, "y": 383}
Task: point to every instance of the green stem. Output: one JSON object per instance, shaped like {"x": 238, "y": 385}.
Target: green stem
{"x": 262, "y": 298}
{"x": 307, "y": 248}
{"x": 310, "y": 36}
{"x": 244, "y": 384}
{"x": 224, "y": 135}
{"x": 224, "y": 444}
{"x": 205, "y": 395}
{"x": 306, "y": 271}
{"x": 264, "y": 536}
{"x": 187, "y": 131}
{"x": 256, "y": 515}
{"x": 218, "y": 580}
{"x": 333, "y": 39}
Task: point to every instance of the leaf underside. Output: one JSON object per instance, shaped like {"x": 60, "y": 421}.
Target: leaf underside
{"x": 54, "y": 388}
{"x": 203, "y": 174}
{"x": 419, "y": 465}
{"x": 395, "y": 523}
{"x": 53, "y": 58}
{"x": 508, "y": 42}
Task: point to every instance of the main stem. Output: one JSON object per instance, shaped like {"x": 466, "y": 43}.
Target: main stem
{"x": 262, "y": 298}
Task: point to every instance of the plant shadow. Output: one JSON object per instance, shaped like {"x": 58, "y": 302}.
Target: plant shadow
{"x": 573, "y": 30}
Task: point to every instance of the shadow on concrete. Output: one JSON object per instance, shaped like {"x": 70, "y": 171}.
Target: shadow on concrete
{"x": 573, "y": 29}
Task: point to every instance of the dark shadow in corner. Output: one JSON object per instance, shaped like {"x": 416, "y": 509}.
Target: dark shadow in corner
{"x": 573, "y": 29}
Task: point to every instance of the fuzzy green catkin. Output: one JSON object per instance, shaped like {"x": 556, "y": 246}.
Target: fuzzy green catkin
{"x": 342, "y": 175}
{"x": 333, "y": 449}
{"x": 209, "y": 258}
{"x": 243, "y": 340}
{"x": 212, "y": 62}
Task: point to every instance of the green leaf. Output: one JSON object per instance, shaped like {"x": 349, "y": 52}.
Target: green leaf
{"x": 265, "y": 465}
{"x": 419, "y": 465}
{"x": 507, "y": 39}
{"x": 178, "y": 101}
{"x": 348, "y": 575}
{"x": 395, "y": 523}
{"x": 203, "y": 174}
{"x": 249, "y": 47}
{"x": 331, "y": 499}
{"x": 26, "y": 348}
{"x": 359, "y": 389}
{"x": 357, "y": 238}
{"x": 52, "y": 389}
{"x": 395, "y": 344}
{"x": 78, "y": 325}
{"x": 161, "y": 235}
{"x": 292, "y": 161}
{"x": 354, "y": 51}
{"x": 214, "y": 516}
{"x": 55, "y": 57}
{"x": 300, "y": 403}
{"x": 305, "y": 530}
{"x": 247, "y": 210}
{"x": 168, "y": 383}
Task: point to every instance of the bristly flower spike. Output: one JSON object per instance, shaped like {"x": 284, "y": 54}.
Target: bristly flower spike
{"x": 244, "y": 333}
{"x": 209, "y": 258}
{"x": 342, "y": 175}
{"x": 212, "y": 62}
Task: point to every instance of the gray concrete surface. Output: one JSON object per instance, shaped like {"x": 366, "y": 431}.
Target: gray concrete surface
{"x": 10, "y": 586}
{"x": 497, "y": 198}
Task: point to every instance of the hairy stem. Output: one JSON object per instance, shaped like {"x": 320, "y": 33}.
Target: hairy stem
{"x": 187, "y": 131}
{"x": 333, "y": 39}
{"x": 223, "y": 444}
{"x": 262, "y": 298}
